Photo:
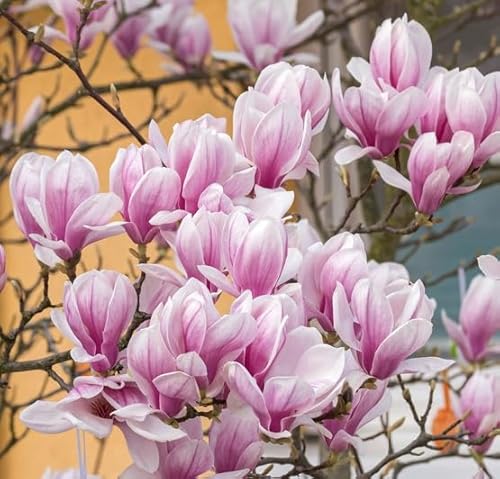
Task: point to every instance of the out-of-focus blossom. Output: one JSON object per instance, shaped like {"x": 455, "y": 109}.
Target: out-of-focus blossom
{"x": 382, "y": 330}
{"x": 479, "y": 319}
{"x": 185, "y": 347}
{"x": 176, "y": 29}
{"x": 95, "y": 405}
{"x": 185, "y": 458}
{"x": 145, "y": 187}
{"x": 69, "y": 11}
{"x": 3, "y": 272}
{"x": 367, "y": 404}
{"x": 58, "y": 207}
{"x": 341, "y": 260}
{"x": 126, "y": 38}
{"x": 301, "y": 86}
{"x": 304, "y": 378}
{"x": 400, "y": 54}
{"x": 274, "y": 138}
{"x": 479, "y": 403}
{"x": 255, "y": 255}
{"x": 376, "y": 120}
{"x": 265, "y": 29}
{"x": 235, "y": 442}
{"x": 202, "y": 154}
{"x": 98, "y": 306}
{"x": 433, "y": 169}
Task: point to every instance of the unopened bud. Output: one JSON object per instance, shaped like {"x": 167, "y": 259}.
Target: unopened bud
{"x": 39, "y": 34}
{"x": 114, "y": 96}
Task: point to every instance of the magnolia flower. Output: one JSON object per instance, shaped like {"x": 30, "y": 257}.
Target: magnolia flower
{"x": 376, "y": 120}
{"x": 489, "y": 265}
{"x": 201, "y": 154}
{"x": 96, "y": 404}
{"x": 265, "y": 29}
{"x": 479, "y": 319}
{"x": 145, "y": 187}
{"x": 98, "y": 307}
{"x": 471, "y": 105}
{"x": 341, "y": 260}
{"x": 185, "y": 347}
{"x": 366, "y": 405}
{"x": 185, "y": 458}
{"x": 126, "y": 38}
{"x": 301, "y": 86}
{"x": 400, "y": 54}
{"x": 198, "y": 242}
{"x": 304, "y": 378}
{"x": 274, "y": 138}
{"x": 250, "y": 265}
{"x": 174, "y": 28}
{"x": 69, "y": 11}
{"x": 382, "y": 330}
{"x": 275, "y": 316}
{"x": 58, "y": 207}
{"x": 479, "y": 404}
{"x": 433, "y": 169}
{"x": 160, "y": 282}
{"x": 235, "y": 443}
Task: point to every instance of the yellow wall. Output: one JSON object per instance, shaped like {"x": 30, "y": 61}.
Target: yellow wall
{"x": 36, "y": 452}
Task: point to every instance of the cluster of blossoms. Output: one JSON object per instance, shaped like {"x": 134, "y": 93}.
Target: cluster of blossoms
{"x": 310, "y": 323}
{"x": 453, "y": 116}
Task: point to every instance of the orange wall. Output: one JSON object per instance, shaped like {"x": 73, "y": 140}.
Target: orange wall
{"x": 29, "y": 459}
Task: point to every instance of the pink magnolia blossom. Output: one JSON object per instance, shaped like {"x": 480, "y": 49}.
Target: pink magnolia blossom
{"x": 185, "y": 347}
{"x": 184, "y": 458}
{"x": 479, "y": 403}
{"x": 176, "y": 29}
{"x": 400, "y": 54}
{"x": 434, "y": 169}
{"x": 274, "y": 138}
{"x": 202, "y": 154}
{"x": 275, "y": 316}
{"x": 3, "y": 272}
{"x": 145, "y": 187}
{"x": 366, "y": 405}
{"x": 376, "y": 119}
{"x": 464, "y": 101}
{"x": 250, "y": 265}
{"x": 383, "y": 330}
{"x": 160, "y": 282}
{"x": 96, "y": 404}
{"x": 198, "y": 242}
{"x": 98, "y": 307}
{"x": 265, "y": 29}
{"x": 489, "y": 265}
{"x": 69, "y": 11}
{"x": 479, "y": 319}
{"x": 301, "y": 86}
{"x": 235, "y": 443}
{"x": 57, "y": 205}
{"x": 301, "y": 235}
{"x": 341, "y": 260}
{"x": 126, "y": 38}
{"x": 305, "y": 376}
